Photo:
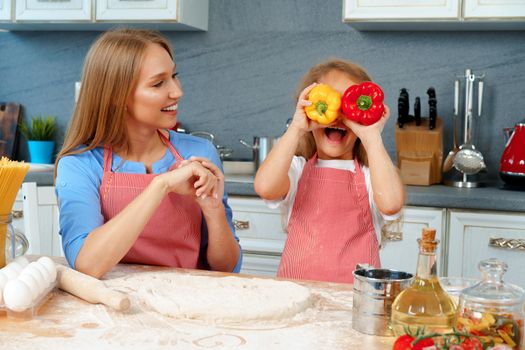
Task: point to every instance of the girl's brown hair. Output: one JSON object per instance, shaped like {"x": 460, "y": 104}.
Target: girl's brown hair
{"x": 109, "y": 76}
{"x": 307, "y": 147}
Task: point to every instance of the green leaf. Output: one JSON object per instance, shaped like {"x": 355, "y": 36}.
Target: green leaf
{"x": 41, "y": 129}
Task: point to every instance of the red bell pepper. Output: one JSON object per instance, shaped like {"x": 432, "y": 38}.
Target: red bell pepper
{"x": 363, "y": 103}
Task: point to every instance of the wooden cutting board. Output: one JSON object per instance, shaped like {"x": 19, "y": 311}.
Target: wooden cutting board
{"x": 9, "y": 119}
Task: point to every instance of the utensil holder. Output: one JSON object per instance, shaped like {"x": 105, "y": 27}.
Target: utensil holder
{"x": 419, "y": 153}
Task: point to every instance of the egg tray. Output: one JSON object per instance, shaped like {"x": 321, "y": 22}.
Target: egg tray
{"x": 33, "y": 309}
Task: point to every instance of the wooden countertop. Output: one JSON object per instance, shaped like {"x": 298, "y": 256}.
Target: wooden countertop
{"x": 66, "y": 322}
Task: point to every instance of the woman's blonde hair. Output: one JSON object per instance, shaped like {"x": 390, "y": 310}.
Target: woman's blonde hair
{"x": 307, "y": 146}
{"x": 110, "y": 73}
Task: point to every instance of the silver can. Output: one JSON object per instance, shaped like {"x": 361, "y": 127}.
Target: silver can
{"x": 374, "y": 293}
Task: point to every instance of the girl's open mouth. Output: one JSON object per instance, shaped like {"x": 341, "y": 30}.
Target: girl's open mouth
{"x": 335, "y": 134}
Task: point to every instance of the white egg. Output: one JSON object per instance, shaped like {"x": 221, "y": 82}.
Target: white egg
{"x": 22, "y": 260}
{"x": 3, "y": 281}
{"x": 45, "y": 273}
{"x": 9, "y": 272}
{"x": 32, "y": 284}
{"x": 35, "y": 272}
{"x": 49, "y": 266}
{"x": 17, "y": 295}
{"x": 16, "y": 267}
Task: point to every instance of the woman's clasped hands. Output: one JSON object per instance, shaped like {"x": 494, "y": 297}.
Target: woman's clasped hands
{"x": 199, "y": 177}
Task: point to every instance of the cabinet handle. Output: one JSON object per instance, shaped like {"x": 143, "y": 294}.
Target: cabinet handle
{"x": 507, "y": 243}
{"x": 17, "y": 214}
{"x": 241, "y": 225}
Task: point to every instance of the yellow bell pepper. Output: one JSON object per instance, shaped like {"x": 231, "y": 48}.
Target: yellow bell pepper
{"x": 326, "y": 102}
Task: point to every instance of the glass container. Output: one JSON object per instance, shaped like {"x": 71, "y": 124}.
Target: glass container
{"x": 424, "y": 305}
{"x": 492, "y": 309}
{"x": 14, "y": 241}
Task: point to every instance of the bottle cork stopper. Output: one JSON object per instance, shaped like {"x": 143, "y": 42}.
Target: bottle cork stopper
{"x": 428, "y": 240}
{"x": 429, "y": 234}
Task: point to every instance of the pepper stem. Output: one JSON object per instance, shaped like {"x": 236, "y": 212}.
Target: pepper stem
{"x": 364, "y": 102}
{"x": 321, "y": 107}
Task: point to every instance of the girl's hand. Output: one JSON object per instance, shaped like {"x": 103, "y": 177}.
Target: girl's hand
{"x": 215, "y": 199}
{"x": 190, "y": 178}
{"x": 370, "y": 133}
{"x": 300, "y": 121}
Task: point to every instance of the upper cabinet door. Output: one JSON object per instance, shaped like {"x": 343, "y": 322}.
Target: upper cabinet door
{"x": 400, "y": 9}
{"x": 111, "y": 10}
{"x": 52, "y": 10}
{"x": 508, "y": 9}
{"x": 5, "y": 10}
{"x": 189, "y": 14}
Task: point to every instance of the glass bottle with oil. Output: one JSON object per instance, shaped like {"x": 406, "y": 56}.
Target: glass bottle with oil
{"x": 424, "y": 304}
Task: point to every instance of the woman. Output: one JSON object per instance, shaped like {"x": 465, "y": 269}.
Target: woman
{"x": 129, "y": 189}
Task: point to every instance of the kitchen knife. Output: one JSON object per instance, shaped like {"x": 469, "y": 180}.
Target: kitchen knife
{"x": 417, "y": 111}
{"x": 90, "y": 289}
{"x": 432, "y": 108}
{"x": 403, "y": 108}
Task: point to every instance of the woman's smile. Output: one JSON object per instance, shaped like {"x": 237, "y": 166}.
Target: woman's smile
{"x": 171, "y": 109}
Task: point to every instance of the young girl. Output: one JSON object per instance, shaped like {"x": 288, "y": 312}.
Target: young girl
{"x": 130, "y": 189}
{"x": 336, "y": 182}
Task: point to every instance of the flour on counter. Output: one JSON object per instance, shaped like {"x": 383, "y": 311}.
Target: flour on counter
{"x": 222, "y": 299}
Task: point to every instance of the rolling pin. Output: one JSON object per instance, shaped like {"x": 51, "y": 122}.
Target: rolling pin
{"x": 90, "y": 289}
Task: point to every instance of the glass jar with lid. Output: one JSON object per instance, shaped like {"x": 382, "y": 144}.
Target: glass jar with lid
{"x": 492, "y": 309}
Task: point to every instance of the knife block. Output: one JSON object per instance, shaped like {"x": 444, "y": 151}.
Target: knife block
{"x": 419, "y": 153}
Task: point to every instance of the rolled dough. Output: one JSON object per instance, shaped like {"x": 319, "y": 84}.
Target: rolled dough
{"x": 223, "y": 299}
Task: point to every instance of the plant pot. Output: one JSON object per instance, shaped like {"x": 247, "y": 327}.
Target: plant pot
{"x": 41, "y": 151}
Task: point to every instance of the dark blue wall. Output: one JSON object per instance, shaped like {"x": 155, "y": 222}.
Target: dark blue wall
{"x": 239, "y": 76}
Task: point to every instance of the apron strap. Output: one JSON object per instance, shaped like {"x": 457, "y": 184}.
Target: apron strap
{"x": 108, "y": 153}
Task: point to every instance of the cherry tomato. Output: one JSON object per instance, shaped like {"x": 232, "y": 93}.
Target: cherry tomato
{"x": 423, "y": 344}
{"x": 403, "y": 343}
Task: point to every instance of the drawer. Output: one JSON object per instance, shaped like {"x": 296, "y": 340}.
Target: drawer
{"x": 258, "y": 227}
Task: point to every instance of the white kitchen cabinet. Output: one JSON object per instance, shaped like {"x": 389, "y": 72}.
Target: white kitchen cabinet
{"x": 400, "y": 9}
{"x": 36, "y": 212}
{"x": 261, "y": 234}
{"x": 5, "y": 10}
{"x": 103, "y": 14}
{"x": 475, "y": 236}
{"x": 402, "y": 254}
{"x": 50, "y": 10}
{"x": 494, "y": 9}
{"x": 435, "y": 14}
{"x": 191, "y": 12}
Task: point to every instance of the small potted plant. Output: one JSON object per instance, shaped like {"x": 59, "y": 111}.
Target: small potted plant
{"x": 39, "y": 137}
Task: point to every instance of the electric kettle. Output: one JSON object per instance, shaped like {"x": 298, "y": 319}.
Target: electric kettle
{"x": 512, "y": 165}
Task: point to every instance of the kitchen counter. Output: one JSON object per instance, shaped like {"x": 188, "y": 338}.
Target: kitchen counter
{"x": 66, "y": 322}
{"x": 441, "y": 196}
{"x": 483, "y": 198}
